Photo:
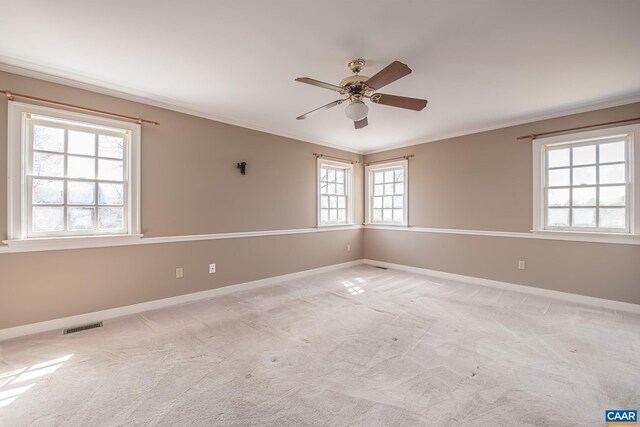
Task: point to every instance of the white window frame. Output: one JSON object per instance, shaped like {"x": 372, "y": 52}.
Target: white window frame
{"x": 19, "y": 192}
{"x": 348, "y": 185}
{"x": 632, "y": 135}
{"x": 369, "y": 170}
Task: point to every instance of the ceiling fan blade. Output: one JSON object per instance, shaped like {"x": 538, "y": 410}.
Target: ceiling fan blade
{"x": 399, "y": 101}
{"x": 361, "y": 123}
{"x": 317, "y": 110}
{"x": 318, "y": 83}
{"x": 388, "y": 74}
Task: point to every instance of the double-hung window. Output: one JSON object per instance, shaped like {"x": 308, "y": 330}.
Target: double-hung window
{"x": 387, "y": 193}
{"x": 335, "y": 190}
{"x": 71, "y": 174}
{"x": 587, "y": 182}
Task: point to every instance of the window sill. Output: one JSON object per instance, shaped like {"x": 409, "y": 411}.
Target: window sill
{"x": 71, "y": 242}
{"x": 585, "y": 236}
{"x": 350, "y": 224}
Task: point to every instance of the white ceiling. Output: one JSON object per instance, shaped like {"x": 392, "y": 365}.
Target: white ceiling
{"x": 481, "y": 64}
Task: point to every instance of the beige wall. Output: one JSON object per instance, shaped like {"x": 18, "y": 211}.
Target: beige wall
{"x": 484, "y": 182}
{"x": 190, "y": 185}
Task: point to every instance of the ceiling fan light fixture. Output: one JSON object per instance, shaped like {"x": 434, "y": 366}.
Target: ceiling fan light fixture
{"x": 356, "y": 110}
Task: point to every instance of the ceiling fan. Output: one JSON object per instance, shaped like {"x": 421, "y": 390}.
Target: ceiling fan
{"x": 356, "y": 88}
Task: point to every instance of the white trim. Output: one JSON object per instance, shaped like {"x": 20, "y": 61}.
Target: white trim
{"x": 530, "y": 120}
{"x": 98, "y": 316}
{"x": 101, "y": 87}
{"x": 632, "y": 136}
{"x": 17, "y": 218}
{"x": 368, "y": 190}
{"x": 623, "y": 239}
{"x": 85, "y": 242}
{"x": 348, "y": 184}
{"x": 564, "y": 296}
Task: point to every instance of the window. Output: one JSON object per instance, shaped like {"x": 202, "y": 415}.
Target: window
{"x": 586, "y": 182}
{"x": 71, "y": 174}
{"x": 387, "y": 193}
{"x": 334, "y": 193}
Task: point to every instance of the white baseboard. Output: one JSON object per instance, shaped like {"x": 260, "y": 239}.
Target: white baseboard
{"x": 565, "y": 296}
{"x": 98, "y": 316}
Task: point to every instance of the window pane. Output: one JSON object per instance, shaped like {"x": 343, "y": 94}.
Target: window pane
{"x": 377, "y": 202}
{"x": 81, "y": 167}
{"x": 333, "y": 202}
{"x": 340, "y": 177}
{"x": 46, "y": 191}
{"x": 399, "y": 188}
{"x": 110, "y": 146}
{"x": 112, "y": 170}
{"x": 323, "y": 174}
{"x": 333, "y": 215}
{"x": 558, "y": 177}
{"x": 584, "y": 217}
{"x": 558, "y": 158}
{"x": 81, "y": 193}
{"x": 342, "y": 202}
{"x": 613, "y": 152}
{"x": 388, "y": 176}
{"x": 612, "y": 196}
{"x": 111, "y": 218}
{"x": 387, "y": 215}
{"x": 612, "y": 174}
{"x": 323, "y": 188}
{"x": 47, "y": 164}
{"x": 399, "y": 175}
{"x": 387, "y": 202}
{"x": 324, "y": 215}
{"x": 584, "y": 196}
{"x": 377, "y": 214}
{"x": 48, "y": 139}
{"x": 612, "y": 217}
{"x": 397, "y": 202}
{"x": 378, "y": 190}
{"x": 81, "y": 143}
{"x": 46, "y": 218}
{"x": 388, "y": 189}
{"x": 342, "y": 215}
{"x": 331, "y": 175}
{"x": 558, "y": 217}
{"x": 558, "y": 197}
{"x": 584, "y": 155}
{"x": 378, "y": 177}
{"x": 397, "y": 215}
{"x": 324, "y": 200}
{"x": 584, "y": 175}
{"x": 81, "y": 218}
{"x": 340, "y": 189}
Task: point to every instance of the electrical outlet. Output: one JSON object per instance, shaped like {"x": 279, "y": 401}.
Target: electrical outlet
{"x": 349, "y": 247}
{"x": 212, "y": 268}
{"x": 521, "y": 265}
{"x": 179, "y": 273}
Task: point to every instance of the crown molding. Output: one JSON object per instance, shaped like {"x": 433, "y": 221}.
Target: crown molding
{"x": 554, "y": 114}
{"x": 65, "y": 78}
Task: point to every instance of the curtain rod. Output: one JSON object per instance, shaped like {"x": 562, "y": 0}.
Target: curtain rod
{"x": 538, "y": 135}
{"x": 324, "y": 156}
{"x": 390, "y": 160}
{"x": 11, "y": 96}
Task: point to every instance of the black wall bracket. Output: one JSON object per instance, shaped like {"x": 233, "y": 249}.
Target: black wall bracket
{"x": 243, "y": 168}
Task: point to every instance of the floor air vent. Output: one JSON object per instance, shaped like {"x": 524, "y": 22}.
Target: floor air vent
{"x": 82, "y": 328}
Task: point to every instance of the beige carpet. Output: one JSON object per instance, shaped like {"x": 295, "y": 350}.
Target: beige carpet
{"x": 360, "y": 347}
